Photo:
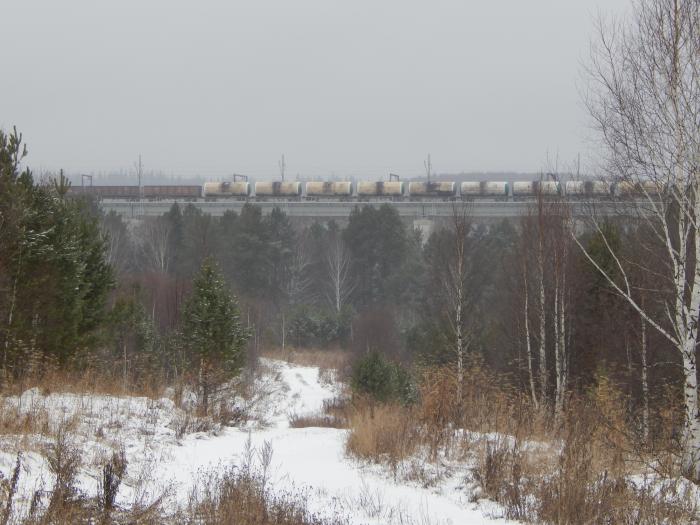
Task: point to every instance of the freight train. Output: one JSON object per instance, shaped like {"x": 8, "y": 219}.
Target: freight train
{"x": 372, "y": 190}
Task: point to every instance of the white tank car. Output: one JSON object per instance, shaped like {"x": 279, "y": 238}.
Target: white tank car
{"x": 431, "y": 189}
{"x": 380, "y": 189}
{"x": 328, "y": 189}
{"x": 575, "y": 187}
{"x": 277, "y": 189}
{"x": 529, "y": 188}
{"x": 484, "y": 188}
{"x": 624, "y": 188}
{"x": 225, "y": 189}
{"x": 494, "y": 188}
{"x": 548, "y": 187}
{"x": 523, "y": 187}
{"x": 470, "y": 188}
{"x": 649, "y": 187}
{"x": 587, "y": 187}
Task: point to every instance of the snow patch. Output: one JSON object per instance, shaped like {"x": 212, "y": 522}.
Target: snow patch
{"x": 160, "y": 463}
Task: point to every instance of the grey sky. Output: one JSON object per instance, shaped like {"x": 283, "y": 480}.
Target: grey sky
{"x": 352, "y": 87}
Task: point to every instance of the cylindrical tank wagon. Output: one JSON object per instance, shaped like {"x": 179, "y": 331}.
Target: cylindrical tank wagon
{"x": 329, "y": 189}
{"x": 277, "y": 189}
{"x": 627, "y": 189}
{"x": 435, "y": 189}
{"x": 226, "y": 190}
{"x": 492, "y": 189}
{"x": 587, "y": 188}
{"x": 533, "y": 188}
{"x": 367, "y": 189}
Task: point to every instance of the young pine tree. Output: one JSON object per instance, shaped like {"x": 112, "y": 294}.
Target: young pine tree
{"x": 212, "y": 335}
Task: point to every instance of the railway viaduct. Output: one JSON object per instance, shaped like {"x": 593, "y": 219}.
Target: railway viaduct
{"x": 480, "y": 210}
{"x": 422, "y": 215}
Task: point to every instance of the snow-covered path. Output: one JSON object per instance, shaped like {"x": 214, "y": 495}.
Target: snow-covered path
{"x": 313, "y": 460}
{"x": 306, "y": 461}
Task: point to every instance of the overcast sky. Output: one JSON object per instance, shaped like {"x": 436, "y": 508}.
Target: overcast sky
{"x": 346, "y": 87}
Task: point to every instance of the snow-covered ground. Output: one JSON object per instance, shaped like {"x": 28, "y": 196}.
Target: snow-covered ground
{"x": 311, "y": 461}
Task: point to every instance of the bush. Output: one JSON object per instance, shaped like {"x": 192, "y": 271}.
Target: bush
{"x": 382, "y": 380}
{"x": 308, "y": 327}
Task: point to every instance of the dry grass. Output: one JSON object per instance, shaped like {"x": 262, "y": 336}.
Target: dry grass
{"x": 85, "y": 381}
{"x": 236, "y": 496}
{"x": 488, "y": 403}
{"x": 336, "y": 413}
{"x": 386, "y": 434}
{"x": 243, "y": 495}
{"x": 568, "y": 488}
{"x": 587, "y": 466}
{"x": 64, "y": 503}
{"x": 315, "y": 420}
{"x": 15, "y": 421}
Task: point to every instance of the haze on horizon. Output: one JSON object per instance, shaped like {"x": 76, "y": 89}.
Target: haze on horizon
{"x": 344, "y": 88}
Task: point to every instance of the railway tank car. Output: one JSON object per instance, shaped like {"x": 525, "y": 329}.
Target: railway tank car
{"x": 627, "y": 190}
{"x": 536, "y": 187}
{"x": 368, "y": 189}
{"x": 317, "y": 189}
{"x": 212, "y": 190}
{"x": 492, "y": 189}
{"x": 277, "y": 189}
{"x": 587, "y": 188}
{"x": 436, "y": 189}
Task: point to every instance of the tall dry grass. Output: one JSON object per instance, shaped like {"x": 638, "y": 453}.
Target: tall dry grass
{"x": 88, "y": 380}
{"x": 237, "y": 496}
{"x": 587, "y": 465}
{"x": 383, "y": 433}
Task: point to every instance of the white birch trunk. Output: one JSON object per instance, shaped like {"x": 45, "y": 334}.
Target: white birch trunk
{"x": 562, "y": 369}
{"x": 13, "y": 301}
{"x": 543, "y": 326}
{"x": 528, "y": 345}
{"x": 645, "y": 383}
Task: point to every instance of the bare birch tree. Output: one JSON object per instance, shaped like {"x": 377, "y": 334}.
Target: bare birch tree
{"x": 644, "y": 98}
{"x": 117, "y": 241}
{"x": 338, "y": 267}
{"x": 153, "y": 242}
{"x": 455, "y": 287}
{"x": 546, "y": 275}
{"x": 561, "y": 240}
{"x": 526, "y": 315}
{"x": 542, "y": 302}
{"x": 299, "y": 283}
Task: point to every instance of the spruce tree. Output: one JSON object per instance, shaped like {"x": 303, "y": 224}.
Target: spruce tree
{"x": 52, "y": 266}
{"x": 212, "y": 334}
